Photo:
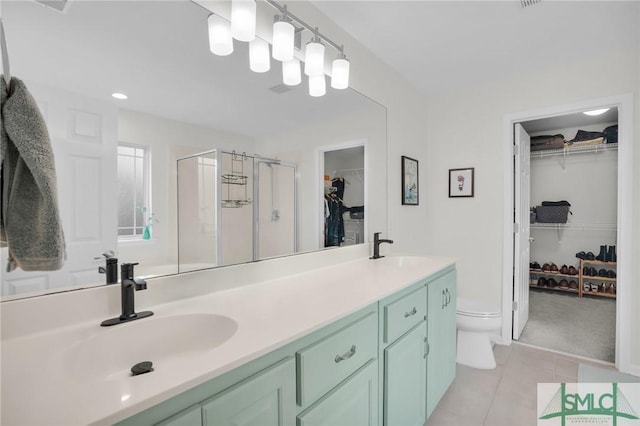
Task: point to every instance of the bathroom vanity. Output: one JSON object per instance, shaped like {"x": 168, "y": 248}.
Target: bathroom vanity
{"x": 366, "y": 342}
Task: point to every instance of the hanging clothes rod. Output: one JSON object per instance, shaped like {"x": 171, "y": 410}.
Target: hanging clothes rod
{"x": 5, "y": 56}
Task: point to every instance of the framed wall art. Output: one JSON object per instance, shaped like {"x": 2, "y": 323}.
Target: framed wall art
{"x": 461, "y": 182}
{"x": 409, "y": 181}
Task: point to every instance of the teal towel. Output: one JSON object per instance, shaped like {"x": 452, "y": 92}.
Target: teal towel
{"x": 30, "y": 225}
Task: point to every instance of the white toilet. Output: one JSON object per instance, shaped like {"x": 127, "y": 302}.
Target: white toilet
{"x": 475, "y": 321}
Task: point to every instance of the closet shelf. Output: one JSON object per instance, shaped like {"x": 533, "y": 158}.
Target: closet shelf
{"x": 576, "y": 226}
{"x": 574, "y": 150}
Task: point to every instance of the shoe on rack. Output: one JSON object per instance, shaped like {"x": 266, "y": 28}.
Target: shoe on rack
{"x": 602, "y": 256}
{"x": 602, "y": 273}
{"x": 593, "y": 272}
{"x": 581, "y": 255}
{"x": 546, "y": 267}
{"x": 564, "y": 270}
{"x": 536, "y": 266}
{"x": 573, "y": 270}
{"x": 573, "y": 285}
{"x": 563, "y": 283}
{"x": 586, "y": 287}
{"x": 542, "y": 282}
{"x": 554, "y": 268}
{"x": 553, "y": 283}
{"x": 611, "y": 273}
{"x": 611, "y": 254}
{"x": 589, "y": 256}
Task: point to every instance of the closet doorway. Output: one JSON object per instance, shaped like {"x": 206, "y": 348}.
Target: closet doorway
{"x": 547, "y": 300}
{"x": 343, "y": 196}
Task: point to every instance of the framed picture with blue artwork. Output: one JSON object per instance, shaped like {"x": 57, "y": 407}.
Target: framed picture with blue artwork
{"x": 409, "y": 181}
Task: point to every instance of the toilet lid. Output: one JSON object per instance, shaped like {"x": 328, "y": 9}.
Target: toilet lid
{"x": 477, "y": 308}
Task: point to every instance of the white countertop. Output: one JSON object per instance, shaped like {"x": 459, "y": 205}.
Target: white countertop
{"x": 38, "y": 387}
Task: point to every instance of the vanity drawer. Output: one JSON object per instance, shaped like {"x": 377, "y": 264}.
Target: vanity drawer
{"x": 326, "y": 363}
{"x": 402, "y": 314}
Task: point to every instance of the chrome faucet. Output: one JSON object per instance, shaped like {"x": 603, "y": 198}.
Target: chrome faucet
{"x": 128, "y": 286}
{"x": 376, "y": 245}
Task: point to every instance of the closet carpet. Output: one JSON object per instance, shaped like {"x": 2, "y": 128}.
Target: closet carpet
{"x": 579, "y": 326}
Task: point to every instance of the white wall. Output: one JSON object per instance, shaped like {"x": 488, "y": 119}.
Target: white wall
{"x": 168, "y": 141}
{"x": 466, "y": 130}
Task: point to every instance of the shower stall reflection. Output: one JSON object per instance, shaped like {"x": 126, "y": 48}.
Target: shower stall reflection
{"x": 234, "y": 208}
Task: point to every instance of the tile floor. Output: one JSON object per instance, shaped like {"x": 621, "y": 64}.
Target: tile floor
{"x": 505, "y": 396}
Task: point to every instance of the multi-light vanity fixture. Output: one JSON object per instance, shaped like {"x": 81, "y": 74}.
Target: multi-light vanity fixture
{"x": 243, "y": 28}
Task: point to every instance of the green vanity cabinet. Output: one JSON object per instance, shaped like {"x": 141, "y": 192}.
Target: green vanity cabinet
{"x": 353, "y": 402}
{"x": 189, "y": 417}
{"x": 441, "y": 334}
{"x": 387, "y": 364}
{"x": 405, "y": 379}
{"x": 264, "y": 399}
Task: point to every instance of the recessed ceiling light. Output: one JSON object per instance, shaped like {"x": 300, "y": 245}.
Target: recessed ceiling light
{"x": 119, "y": 96}
{"x": 597, "y": 111}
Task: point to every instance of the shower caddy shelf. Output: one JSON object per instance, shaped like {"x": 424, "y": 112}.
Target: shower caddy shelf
{"x": 236, "y": 178}
{"x": 534, "y": 274}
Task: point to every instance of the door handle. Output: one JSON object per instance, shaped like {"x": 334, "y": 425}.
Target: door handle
{"x": 448, "y": 296}
{"x": 444, "y": 300}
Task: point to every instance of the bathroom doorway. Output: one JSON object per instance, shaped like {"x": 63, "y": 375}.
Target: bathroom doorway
{"x": 515, "y": 291}
{"x": 343, "y": 194}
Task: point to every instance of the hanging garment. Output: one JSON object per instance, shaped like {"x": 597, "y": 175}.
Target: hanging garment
{"x": 334, "y": 224}
{"x": 30, "y": 223}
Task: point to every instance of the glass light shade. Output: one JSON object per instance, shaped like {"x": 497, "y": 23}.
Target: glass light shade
{"x": 314, "y": 58}
{"x": 220, "y": 41}
{"x": 243, "y": 19}
{"x": 291, "y": 75}
{"x": 317, "y": 85}
{"x": 283, "y": 35}
{"x": 340, "y": 73}
{"x": 259, "y": 60}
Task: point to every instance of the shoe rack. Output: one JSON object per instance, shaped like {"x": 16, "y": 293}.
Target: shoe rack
{"x": 588, "y": 285}
{"x": 536, "y": 274}
{"x": 595, "y": 285}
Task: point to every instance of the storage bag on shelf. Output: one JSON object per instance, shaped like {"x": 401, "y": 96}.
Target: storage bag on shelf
{"x": 553, "y": 212}
{"x": 542, "y": 142}
{"x": 586, "y": 138}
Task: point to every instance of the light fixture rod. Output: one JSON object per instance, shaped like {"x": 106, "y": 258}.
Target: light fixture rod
{"x": 283, "y": 10}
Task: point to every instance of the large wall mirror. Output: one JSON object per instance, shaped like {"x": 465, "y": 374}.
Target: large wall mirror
{"x": 118, "y": 160}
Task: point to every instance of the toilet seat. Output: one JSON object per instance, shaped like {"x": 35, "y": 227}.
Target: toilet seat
{"x": 472, "y": 308}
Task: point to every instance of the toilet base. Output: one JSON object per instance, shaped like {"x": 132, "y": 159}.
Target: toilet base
{"x": 475, "y": 350}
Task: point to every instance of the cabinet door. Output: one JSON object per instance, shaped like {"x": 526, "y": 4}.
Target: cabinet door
{"x": 405, "y": 379}
{"x": 441, "y": 335}
{"x": 354, "y": 402}
{"x": 265, "y": 399}
{"x": 189, "y": 417}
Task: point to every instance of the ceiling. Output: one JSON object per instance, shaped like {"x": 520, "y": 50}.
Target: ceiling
{"x": 440, "y": 46}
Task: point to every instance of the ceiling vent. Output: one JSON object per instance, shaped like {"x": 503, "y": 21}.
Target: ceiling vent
{"x": 526, "y": 3}
{"x": 280, "y": 88}
{"x": 59, "y": 5}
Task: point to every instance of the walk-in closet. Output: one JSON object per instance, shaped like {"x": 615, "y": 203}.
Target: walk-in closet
{"x": 573, "y": 229}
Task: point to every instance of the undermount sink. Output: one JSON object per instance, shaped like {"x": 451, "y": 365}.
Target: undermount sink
{"x": 167, "y": 341}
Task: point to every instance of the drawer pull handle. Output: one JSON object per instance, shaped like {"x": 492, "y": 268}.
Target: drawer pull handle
{"x": 411, "y": 312}
{"x": 348, "y": 355}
